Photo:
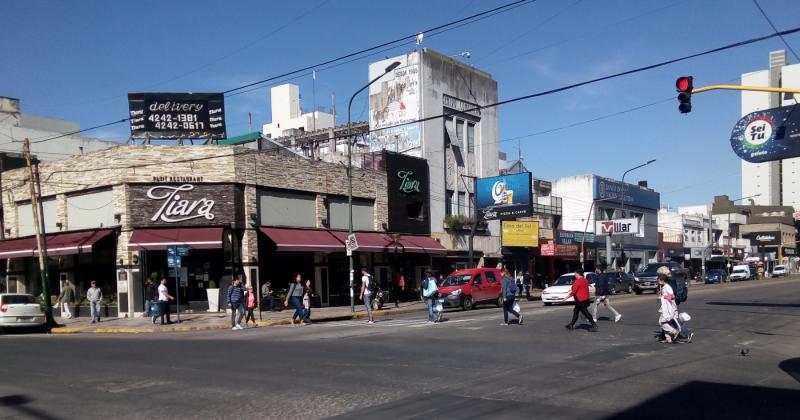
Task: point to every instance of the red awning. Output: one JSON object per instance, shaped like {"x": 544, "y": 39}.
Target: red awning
{"x": 160, "y": 239}
{"x": 304, "y": 240}
{"x": 68, "y": 243}
{"x": 385, "y": 242}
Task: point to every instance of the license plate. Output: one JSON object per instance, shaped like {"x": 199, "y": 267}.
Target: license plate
{"x": 649, "y": 283}
{"x": 24, "y": 318}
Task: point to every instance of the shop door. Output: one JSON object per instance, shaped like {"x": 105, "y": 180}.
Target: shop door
{"x": 321, "y": 284}
{"x": 383, "y": 274}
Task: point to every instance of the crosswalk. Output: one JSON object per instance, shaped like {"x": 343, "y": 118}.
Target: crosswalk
{"x": 392, "y": 323}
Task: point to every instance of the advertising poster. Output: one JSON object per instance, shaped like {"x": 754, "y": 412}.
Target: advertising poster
{"x": 504, "y": 197}
{"x": 768, "y": 135}
{"x": 518, "y": 233}
{"x": 393, "y": 100}
{"x": 177, "y": 115}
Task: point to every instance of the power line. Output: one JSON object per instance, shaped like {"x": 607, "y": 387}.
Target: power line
{"x": 763, "y": 13}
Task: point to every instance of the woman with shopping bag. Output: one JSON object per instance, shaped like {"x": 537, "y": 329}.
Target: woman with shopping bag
{"x": 509, "y": 291}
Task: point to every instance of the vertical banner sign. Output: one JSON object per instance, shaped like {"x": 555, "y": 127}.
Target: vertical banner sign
{"x": 504, "y": 197}
{"x": 768, "y": 135}
{"x": 177, "y": 115}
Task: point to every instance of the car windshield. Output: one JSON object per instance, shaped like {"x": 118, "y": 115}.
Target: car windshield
{"x": 565, "y": 280}
{"x": 780, "y": 267}
{"x": 18, "y": 299}
{"x": 739, "y": 270}
{"x": 458, "y": 280}
{"x": 652, "y": 268}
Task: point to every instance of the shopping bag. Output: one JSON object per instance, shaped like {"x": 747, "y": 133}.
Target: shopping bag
{"x": 439, "y": 307}
{"x": 516, "y": 307}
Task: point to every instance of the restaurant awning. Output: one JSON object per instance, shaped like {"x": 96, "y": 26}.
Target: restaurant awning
{"x": 422, "y": 244}
{"x": 160, "y": 239}
{"x": 385, "y": 242}
{"x": 304, "y": 240}
{"x": 67, "y": 243}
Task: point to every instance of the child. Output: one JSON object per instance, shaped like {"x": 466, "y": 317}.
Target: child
{"x": 250, "y": 304}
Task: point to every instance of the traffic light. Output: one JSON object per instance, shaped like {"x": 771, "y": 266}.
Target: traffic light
{"x": 684, "y": 87}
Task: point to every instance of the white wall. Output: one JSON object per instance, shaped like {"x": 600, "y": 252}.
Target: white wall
{"x": 577, "y": 193}
{"x": 759, "y": 178}
{"x": 790, "y": 78}
{"x": 25, "y": 225}
{"x": 670, "y": 225}
{"x": 88, "y": 211}
{"x": 286, "y": 113}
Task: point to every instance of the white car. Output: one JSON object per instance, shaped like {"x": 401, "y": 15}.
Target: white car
{"x": 559, "y": 290}
{"x": 740, "y": 274}
{"x": 779, "y": 270}
{"x": 20, "y": 310}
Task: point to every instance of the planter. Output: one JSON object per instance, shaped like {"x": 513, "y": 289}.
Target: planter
{"x": 213, "y": 300}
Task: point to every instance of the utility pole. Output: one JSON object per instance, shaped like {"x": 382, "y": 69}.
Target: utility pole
{"x": 40, "y": 240}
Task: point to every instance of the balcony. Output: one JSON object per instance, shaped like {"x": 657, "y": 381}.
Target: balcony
{"x": 547, "y": 204}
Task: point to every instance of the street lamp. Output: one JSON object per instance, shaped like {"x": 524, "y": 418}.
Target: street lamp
{"x": 586, "y": 228}
{"x": 350, "y": 173}
{"x": 622, "y": 210}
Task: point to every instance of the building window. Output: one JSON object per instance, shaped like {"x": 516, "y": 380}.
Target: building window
{"x": 448, "y": 203}
{"x": 471, "y": 137}
{"x": 462, "y": 204}
{"x": 415, "y": 211}
{"x": 460, "y": 131}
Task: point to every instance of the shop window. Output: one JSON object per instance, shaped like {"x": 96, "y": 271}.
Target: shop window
{"x": 415, "y": 211}
{"x": 471, "y": 137}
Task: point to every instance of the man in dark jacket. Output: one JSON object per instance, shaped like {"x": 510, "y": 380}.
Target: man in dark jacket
{"x": 602, "y": 293}
{"x": 236, "y": 302}
{"x": 150, "y": 295}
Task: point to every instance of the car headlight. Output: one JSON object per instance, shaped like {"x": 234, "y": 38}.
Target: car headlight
{"x": 636, "y": 279}
{"x": 456, "y": 292}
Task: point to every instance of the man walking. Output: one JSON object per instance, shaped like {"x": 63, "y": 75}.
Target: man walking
{"x": 508, "y": 288}
{"x": 236, "y": 303}
{"x": 429, "y": 292}
{"x": 367, "y": 286}
{"x": 95, "y": 296}
{"x": 580, "y": 289}
{"x": 150, "y": 295}
{"x": 602, "y": 294}
{"x": 163, "y": 302}
{"x": 527, "y": 283}
{"x": 66, "y": 298}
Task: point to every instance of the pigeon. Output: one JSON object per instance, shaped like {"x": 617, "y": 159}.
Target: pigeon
{"x": 744, "y": 352}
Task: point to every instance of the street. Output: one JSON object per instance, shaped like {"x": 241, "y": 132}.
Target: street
{"x": 744, "y": 363}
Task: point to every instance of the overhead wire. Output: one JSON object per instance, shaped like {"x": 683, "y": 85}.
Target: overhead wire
{"x": 769, "y": 21}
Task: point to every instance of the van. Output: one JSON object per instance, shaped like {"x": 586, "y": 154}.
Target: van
{"x": 741, "y": 272}
{"x": 467, "y": 288}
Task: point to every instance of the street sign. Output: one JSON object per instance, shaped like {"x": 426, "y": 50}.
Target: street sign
{"x": 768, "y": 135}
{"x": 182, "y": 250}
{"x": 351, "y": 244}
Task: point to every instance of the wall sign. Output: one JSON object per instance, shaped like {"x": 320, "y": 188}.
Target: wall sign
{"x": 185, "y": 204}
{"x": 520, "y": 233}
{"x": 408, "y": 184}
{"x": 618, "y": 227}
{"x": 408, "y": 193}
{"x": 504, "y": 197}
{"x": 612, "y": 191}
{"x": 177, "y": 115}
{"x": 764, "y": 238}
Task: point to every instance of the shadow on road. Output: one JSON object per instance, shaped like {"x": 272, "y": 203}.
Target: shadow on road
{"x": 701, "y": 399}
{"x": 765, "y": 305}
{"x": 21, "y": 404}
{"x": 791, "y": 367}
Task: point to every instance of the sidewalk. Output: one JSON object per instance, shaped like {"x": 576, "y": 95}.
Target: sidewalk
{"x": 203, "y": 321}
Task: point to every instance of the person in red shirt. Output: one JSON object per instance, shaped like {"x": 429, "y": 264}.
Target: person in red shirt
{"x": 580, "y": 289}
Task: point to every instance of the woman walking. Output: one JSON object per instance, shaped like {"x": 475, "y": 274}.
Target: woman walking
{"x": 250, "y": 304}
{"x": 668, "y": 310}
{"x": 508, "y": 286}
{"x": 295, "y": 296}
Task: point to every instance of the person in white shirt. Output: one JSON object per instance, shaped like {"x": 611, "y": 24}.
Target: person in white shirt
{"x": 668, "y": 308}
{"x": 163, "y": 302}
{"x": 366, "y": 293}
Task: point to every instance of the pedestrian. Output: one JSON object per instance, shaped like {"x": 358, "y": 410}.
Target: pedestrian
{"x": 66, "y": 298}
{"x": 527, "y": 282}
{"x": 268, "y": 295}
{"x": 163, "y": 302}
{"x": 602, "y": 293}
{"x": 308, "y": 293}
{"x": 368, "y": 285}
{"x": 95, "y": 296}
{"x": 295, "y": 296}
{"x": 429, "y": 293}
{"x": 509, "y": 290}
{"x": 150, "y": 295}
{"x": 250, "y": 304}
{"x": 580, "y": 290}
{"x": 518, "y": 280}
{"x": 236, "y": 303}
{"x": 668, "y": 309}
{"x": 399, "y": 288}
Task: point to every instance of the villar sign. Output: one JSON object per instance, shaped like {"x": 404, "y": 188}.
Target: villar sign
{"x": 618, "y": 227}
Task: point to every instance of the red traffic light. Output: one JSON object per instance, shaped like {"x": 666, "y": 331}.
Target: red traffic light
{"x": 684, "y": 84}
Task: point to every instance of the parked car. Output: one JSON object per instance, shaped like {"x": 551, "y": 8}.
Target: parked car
{"x": 779, "y": 270}
{"x": 715, "y": 276}
{"x": 20, "y": 310}
{"x": 647, "y": 279}
{"x": 619, "y": 282}
{"x": 470, "y": 287}
{"x": 559, "y": 290}
{"x": 742, "y": 272}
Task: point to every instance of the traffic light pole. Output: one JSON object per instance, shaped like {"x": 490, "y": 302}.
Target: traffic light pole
{"x": 749, "y": 88}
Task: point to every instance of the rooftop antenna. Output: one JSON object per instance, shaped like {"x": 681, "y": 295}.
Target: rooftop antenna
{"x": 420, "y": 37}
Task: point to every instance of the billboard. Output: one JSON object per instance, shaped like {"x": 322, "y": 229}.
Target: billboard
{"x": 504, "y": 197}
{"x": 393, "y": 100}
{"x": 177, "y": 115}
{"x": 771, "y": 134}
{"x": 764, "y": 238}
{"x": 617, "y": 227}
{"x": 515, "y": 233}
{"x": 610, "y": 190}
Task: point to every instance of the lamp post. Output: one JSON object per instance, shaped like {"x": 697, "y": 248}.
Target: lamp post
{"x": 350, "y": 173}
{"x": 586, "y": 227}
{"x": 622, "y": 210}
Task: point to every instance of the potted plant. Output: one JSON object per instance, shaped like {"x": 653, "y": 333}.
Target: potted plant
{"x": 213, "y": 296}
{"x": 454, "y": 222}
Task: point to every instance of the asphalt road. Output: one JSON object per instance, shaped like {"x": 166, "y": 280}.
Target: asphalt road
{"x": 467, "y": 367}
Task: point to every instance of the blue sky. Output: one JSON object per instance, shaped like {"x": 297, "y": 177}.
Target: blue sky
{"x": 78, "y": 60}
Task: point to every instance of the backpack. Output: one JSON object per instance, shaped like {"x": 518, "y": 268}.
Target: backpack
{"x": 372, "y": 286}
{"x": 681, "y": 291}
{"x": 511, "y": 291}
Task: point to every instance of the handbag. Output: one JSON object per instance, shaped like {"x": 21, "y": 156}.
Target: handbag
{"x": 438, "y": 307}
{"x": 516, "y": 307}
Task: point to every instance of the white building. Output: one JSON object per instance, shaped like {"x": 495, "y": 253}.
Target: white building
{"x": 288, "y": 116}
{"x": 778, "y": 182}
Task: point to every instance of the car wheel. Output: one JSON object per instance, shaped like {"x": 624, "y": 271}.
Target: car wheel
{"x": 499, "y": 302}
{"x": 467, "y": 304}
{"x": 630, "y": 288}
{"x": 547, "y": 303}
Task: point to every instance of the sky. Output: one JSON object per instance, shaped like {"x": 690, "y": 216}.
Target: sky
{"x": 78, "y": 60}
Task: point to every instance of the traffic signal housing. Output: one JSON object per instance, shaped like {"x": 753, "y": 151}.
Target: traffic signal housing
{"x": 684, "y": 87}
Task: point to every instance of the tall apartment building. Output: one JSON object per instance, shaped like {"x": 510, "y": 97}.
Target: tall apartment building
{"x": 778, "y": 182}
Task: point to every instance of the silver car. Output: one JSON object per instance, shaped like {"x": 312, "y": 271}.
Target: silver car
{"x": 20, "y": 310}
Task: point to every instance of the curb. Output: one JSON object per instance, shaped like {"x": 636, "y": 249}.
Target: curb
{"x": 211, "y": 327}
